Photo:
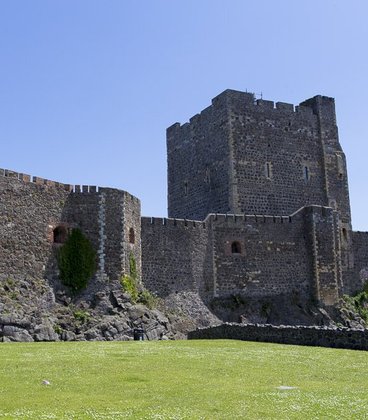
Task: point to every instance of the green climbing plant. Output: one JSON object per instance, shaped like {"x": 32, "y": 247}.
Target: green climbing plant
{"x": 76, "y": 261}
{"x": 129, "y": 281}
{"x": 358, "y": 303}
{"x": 130, "y": 284}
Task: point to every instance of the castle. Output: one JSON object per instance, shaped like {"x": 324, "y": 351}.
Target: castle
{"x": 258, "y": 206}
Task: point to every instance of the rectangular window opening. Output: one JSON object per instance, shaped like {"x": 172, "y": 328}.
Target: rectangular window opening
{"x": 306, "y": 173}
{"x": 268, "y": 170}
{"x": 208, "y": 176}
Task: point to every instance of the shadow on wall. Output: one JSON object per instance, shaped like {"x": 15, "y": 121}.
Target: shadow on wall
{"x": 79, "y": 211}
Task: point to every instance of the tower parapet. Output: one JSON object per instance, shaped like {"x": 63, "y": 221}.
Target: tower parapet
{"x": 34, "y": 208}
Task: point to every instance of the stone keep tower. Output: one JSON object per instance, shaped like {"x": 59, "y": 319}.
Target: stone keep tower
{"x": 242, "y": 155}
{"x": 245, "y": 156}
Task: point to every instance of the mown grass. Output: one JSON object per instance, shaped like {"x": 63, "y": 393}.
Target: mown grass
{"x": 216, "y": 379}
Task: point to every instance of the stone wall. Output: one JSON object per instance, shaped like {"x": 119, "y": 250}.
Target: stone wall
{"x": 31, "y": 210}
{"x": 176, "y": 256}
{"x": 132, "y": 245}
{"x": 299, "y": 335}
{"x": 29, "y": 213}
{"x": 277, "y": 157}
{"x": 333, "y": 158}
{"x": 197, "y": 158}
{"x": 79, "y": 210}
{"x": 119, "y": 212}
{"x": 274, "y": 257}
{"x": 322, "y": 228}
{"x": 293, "y": 255}
{"x": 360, "y": 273}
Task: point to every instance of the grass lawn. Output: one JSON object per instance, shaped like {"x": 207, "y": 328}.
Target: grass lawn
{"x": 219, "y": 379}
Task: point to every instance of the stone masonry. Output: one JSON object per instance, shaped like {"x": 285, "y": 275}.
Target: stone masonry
{"x": 33, "y": 211}
{"x": 344, "y": 338}
{"x": 258, "y": 207}
{"x": 285, "y": 255}
{"x": 245, "y": 156}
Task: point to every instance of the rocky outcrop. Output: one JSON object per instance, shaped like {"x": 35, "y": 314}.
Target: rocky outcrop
{"x": 31, "y": 310}
{"x": 36, "y": 310}
{"x": 187, "y": 311}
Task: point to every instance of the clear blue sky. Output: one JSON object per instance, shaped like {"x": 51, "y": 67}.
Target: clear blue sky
{"x": 87, "y": 88}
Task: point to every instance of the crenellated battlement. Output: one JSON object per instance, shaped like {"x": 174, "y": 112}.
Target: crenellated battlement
{"x": 172, "y": 222}
{"x": 247, "y": 101}
{"x": 7, "y": 173}
{"x": 232, "y": 220}
{"x": 78, "y": 189}
{"x": 229, "y": 219}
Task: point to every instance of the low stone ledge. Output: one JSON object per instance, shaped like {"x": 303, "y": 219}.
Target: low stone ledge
{"x": 344, "y": 338}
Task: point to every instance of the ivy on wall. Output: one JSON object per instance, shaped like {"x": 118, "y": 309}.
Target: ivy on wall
{"x": 130, "y": 284}
{"x": 129, "y": 281}
{"x": 76, "y": 261}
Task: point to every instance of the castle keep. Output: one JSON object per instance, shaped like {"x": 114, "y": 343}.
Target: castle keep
{"x": 258, "y": 206}
{"x": 267, "y": 187}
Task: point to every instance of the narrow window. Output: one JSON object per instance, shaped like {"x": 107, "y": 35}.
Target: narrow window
{"x": 235, "y": 248}
{"x": 306, "y": 173}
{"x": 131, "y": 236}
{"x": 340, "y": 166}
{"x": 208, "y": 179}
{"x": 268, "y": 170}
{"x": 344, "y": 235}
{"x": 60, "y": 234}
{"x": 185, "y": 188}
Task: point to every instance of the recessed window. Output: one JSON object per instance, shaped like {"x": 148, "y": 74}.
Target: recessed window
{"x": 208, "y": 177}
{"x": 344, "y": 235}
{"x": 60, "y": 235}
{"x": 131, "y": 236}
{"x": 268, "y": 170}
{"x": 185, "y": 187}
{"x": 340, "y": 166}
{"x": 235, "y": 248}
{"x": 306, "y": 173}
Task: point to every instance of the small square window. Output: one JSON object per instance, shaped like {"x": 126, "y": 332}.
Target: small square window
{"x": 236, "y": 247}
